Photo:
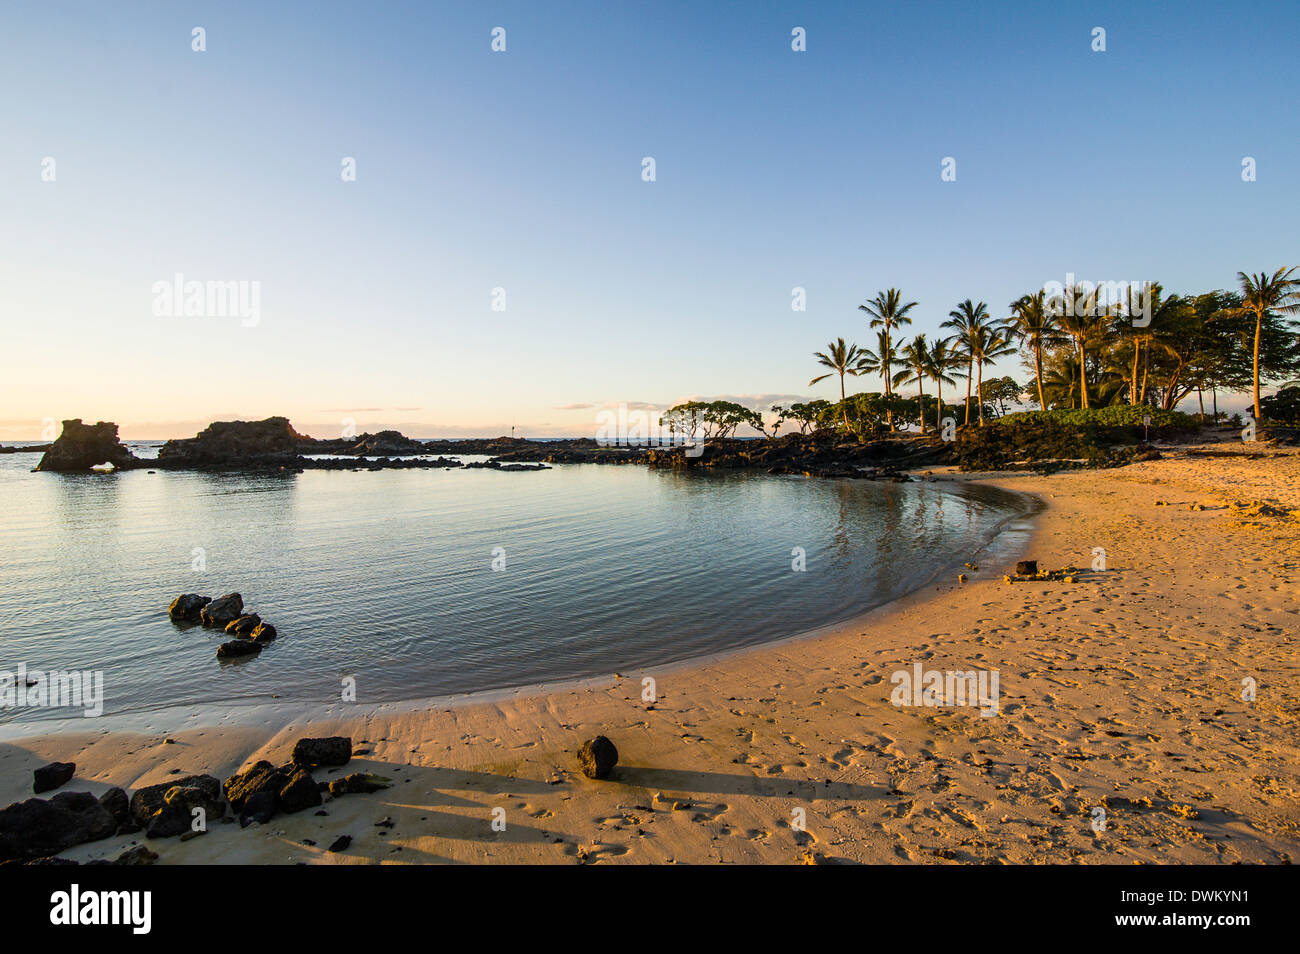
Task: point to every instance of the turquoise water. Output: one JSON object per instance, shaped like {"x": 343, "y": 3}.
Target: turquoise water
{"x": 387, "y": 577}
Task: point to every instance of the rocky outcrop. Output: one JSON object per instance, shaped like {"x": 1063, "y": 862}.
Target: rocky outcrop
{"x": 38, "y": 827}
{"x": 51, "y": 776}
{"x": 597, "y": 757}
{"x": 236, "y": 445}
{"x": 83, "y": 446}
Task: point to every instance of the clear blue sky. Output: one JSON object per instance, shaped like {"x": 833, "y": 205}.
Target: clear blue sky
{"x": 522, "y": 170}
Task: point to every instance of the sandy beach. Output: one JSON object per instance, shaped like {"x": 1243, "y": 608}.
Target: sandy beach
{"x": 1121, "y": 690}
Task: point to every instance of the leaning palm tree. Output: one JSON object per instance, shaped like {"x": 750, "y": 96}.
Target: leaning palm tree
{"x": 888, "y": 311}
{"x": 967, "y": 319}
{"x": 1262, "y": 296}
{"x": 943, "y": 357}
{"x": 842, "y": 359}
{"x": 989, "y": 343}
{"x": 915, "y": 357}
{"x": 1035, "y": 327}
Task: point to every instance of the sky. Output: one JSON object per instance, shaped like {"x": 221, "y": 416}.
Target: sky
{"x": 515, "y": 178}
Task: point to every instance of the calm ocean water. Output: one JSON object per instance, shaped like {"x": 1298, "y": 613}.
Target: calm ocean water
{"x": 387, "y": 577}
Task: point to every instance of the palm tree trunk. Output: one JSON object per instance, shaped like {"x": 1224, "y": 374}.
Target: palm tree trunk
{"x": 920, "y": 396}
{"x": 979, "y": 391}
{"x": 1038, "y": 374}
{"x": 938, "y": 409}
{"x": 1200, "y": 396}
{"x": 1259, "y": 321}
{"x": 844, "y": 407}
{"x": 1083, "y": 375}
{"x": 1133, "y": 385}
{"x": 970, "y": 376}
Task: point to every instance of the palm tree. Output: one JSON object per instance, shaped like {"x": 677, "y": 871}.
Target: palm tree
{"x": 1036, "y": 330}
{"x": 942, "y": 359}
{"x": 967, "y": 319}
{"x": 842, "y": 359}
{"x": 989, "y": 343}
{"x": 887, "y": 311}
{"x": 1083, "y": 323}
{"x": 1262, "y": 295}
{"x": 916, "y": 362}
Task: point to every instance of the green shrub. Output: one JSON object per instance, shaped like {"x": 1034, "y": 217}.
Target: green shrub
{"x": 1117, "y": 415}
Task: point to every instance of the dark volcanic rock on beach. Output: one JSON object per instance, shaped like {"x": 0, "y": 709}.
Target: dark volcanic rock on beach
{"x": 597, "y": 757}
{"x": 221, "y": 611}
{"x": 186, "y": 607}
{"x": 38, "y": 827}
{"x": 165, "y": 809}
{"x": 51, "y": 776}
{"x": 358, "y": 783}
{"x": 82, "y": 446}
{"x": 262, "y": 633}
{"x": 285, "y": 788}
{"x": 116, "y": 802}
{"x": 333, "y": 751}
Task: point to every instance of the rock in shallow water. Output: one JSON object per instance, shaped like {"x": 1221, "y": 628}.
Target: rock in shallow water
{"x": 222, "y": 610}
{"x": 597, "y": 757}
{"x": 243, "y": 625}
{"x": 82, "y": 446}
{"x": 186, "y": 607}
{"x": 238, "y": 647}
{"x": 262, "y": 633}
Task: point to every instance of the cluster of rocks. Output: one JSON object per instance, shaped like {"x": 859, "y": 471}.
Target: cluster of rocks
{"x": 226, "y": 613}
{"x": 39, "y": 828}
{"x": 1027, "y": 572}
{"x": 81, "y": 447}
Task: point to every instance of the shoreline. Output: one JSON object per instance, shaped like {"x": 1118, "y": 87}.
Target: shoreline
{"x": 739, "y": 742}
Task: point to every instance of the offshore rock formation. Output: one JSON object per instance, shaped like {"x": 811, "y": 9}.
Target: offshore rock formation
{"x": 83, "y": 446}
{"x": 236, "y": 445}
